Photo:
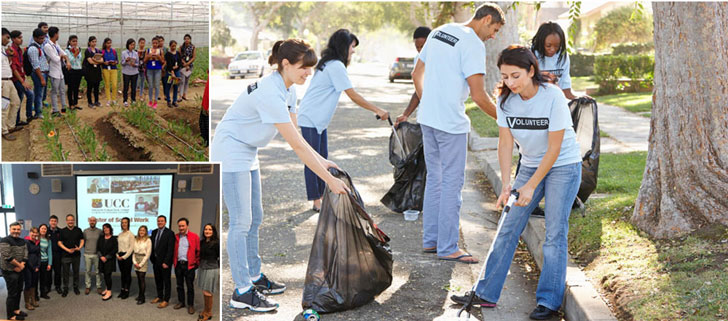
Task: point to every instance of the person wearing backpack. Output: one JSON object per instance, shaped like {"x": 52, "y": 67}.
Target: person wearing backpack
{"x": 56, "y": 58}
{"x": 109, "y": 71}
{"x": 24, "y": 89}
{"x": 39, "y": 69}
{"x": 10, "y": 99}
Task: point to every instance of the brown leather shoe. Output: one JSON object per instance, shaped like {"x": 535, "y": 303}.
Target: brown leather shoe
{"x": 179, "y": 306}
{"x": 191, "y": 310}
{"x": 156, "y": 300}
{"x": 9, "y": 137}
{"x": 16, "y": 129}
{"x": 163, "y": 305}
{"x": 99, "y": 291}
{"x": 88, "y": 290}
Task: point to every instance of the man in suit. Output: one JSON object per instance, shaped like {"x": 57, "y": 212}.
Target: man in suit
{"x": 163, "y": 240}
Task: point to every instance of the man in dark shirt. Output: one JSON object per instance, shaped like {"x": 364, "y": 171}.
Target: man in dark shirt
{"x": 55, "y": 236}
{"x": 71, "y": 242}
{"x": 14, "y": 255}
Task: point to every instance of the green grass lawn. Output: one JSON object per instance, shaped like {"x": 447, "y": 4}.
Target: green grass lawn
{"x": 680, "y": 279}
{"x": 481, "y": 122}
{"x": 634, "y": 102}
{"x": 582, "y": 83}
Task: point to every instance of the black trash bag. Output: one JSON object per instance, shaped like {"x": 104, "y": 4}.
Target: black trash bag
{"x": 350, "y": 261}
{"x": 408, "y": 191}
{"x": 586, "y": 125}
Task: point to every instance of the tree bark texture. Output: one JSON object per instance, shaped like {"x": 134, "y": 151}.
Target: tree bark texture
{"x": 507, "y": 35}
{"x": 685, "y": 183}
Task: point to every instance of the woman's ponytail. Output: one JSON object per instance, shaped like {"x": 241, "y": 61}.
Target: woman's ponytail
{"x": 273, "y": 59}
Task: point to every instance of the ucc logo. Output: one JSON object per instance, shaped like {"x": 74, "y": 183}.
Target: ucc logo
{"x": 110, "y": 203}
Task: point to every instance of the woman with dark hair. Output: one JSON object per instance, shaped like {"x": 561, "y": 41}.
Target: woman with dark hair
{"x": 322, "y": 96}
{"x": 109, "y": 72}
{"x": 92, "y": 62}
{"x": 75, "y": 58}
{"x": 32, "y": 269}
{"x": 172, "y": 69}
{"x": 107, "y": 248}
{"x": 129, "y": 70}
{"x": 536, "y": 115}
{"x": 125, "y": 249}
{"x": 46, "y": 261}
{"x": 189, "y": 53}
{"x": 261, "y": 111}
{"x": 153, "y": 59}
{"x": 209, "y": 273}
{"x": 141, "y": 53}
{"x": 549, "y": 46}
{"x": 142, "y": 253}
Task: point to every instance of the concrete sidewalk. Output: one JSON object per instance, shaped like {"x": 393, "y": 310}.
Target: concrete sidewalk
{"x": 628, "y": 131}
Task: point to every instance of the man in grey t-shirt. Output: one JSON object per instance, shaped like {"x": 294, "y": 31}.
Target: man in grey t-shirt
{"x": 90, "y": 257}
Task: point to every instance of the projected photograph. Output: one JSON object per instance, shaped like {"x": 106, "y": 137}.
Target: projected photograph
{"x": 98, "y": 185}
{"x": 146, "y": 205}
{"x": 135, "y": 184}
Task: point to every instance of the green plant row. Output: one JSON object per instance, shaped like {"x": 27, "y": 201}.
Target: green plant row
{"x": 53, "y": 143}
{"x": 88, "y": 141}
{"x": 140, "y": 116}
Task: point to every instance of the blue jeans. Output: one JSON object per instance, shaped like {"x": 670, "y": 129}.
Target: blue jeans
{"x": 38, "y": 92}
{"x": 28, "y": 94}
{"x": 445, "y": 156}
{"x": 559, "y": 187}
{"x": 165, "y": 76}
{"x": 167, "y": 87}
{"x": 140, "y": 82}
{"x": 153, "y": 76}
{"x": 315, "y": 185}
{"x": 242, "y": 196}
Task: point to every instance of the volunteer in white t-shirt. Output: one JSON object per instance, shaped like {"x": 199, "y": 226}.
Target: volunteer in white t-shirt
{"x": 320, "y": 101}
{"x": 549, "y": 46}
{"x": 451, "y": 63}
{"x": 419, "y": 38}
{"x": 536, "y": 115}
{"x": 262, "y": 110}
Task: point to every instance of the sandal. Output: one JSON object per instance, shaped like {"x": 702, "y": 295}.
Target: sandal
{"x": 459, "y": 259}
{"x": 430, "y": 250}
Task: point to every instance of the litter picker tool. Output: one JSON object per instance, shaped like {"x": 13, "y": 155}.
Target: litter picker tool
{"x": 466, "y": 307}
{"x": 394, "y": 130}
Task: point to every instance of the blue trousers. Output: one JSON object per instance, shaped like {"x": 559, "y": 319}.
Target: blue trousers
{"x": 559, "y": 187}
{"x": 39, "y": 92}
{"x": 445, "y": 156}
{"x": 315, "y": 185}
{"x": 28, "y": 94}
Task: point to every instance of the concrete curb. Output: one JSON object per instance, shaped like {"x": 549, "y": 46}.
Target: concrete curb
{"x": 581, "y": 300}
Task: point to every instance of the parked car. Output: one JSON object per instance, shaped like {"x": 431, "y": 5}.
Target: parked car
{"x": 401, "y": 68}
{"x": 247, "y": 63}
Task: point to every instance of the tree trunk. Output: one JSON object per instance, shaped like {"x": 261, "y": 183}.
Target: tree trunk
{"x": 507, "y": 35}
{"x": 685, "y": 184}
{"x": 254, "y": 37}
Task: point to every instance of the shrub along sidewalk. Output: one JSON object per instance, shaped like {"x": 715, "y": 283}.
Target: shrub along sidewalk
{"x": 647, "y": 279}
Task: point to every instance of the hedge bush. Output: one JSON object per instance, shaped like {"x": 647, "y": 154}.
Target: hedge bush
{"x": 611, "y": 72}
{"x": 581, "y": 65}
{"x": 631, "y": 48}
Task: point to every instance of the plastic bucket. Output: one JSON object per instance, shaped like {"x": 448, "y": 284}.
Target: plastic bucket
{"x": 411, "y": 215}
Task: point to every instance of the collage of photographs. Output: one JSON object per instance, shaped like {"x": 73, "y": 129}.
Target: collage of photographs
{"x": 364, "y": 160}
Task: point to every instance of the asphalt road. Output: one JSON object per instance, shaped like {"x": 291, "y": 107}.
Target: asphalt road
{"x": 358, "y": 144}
